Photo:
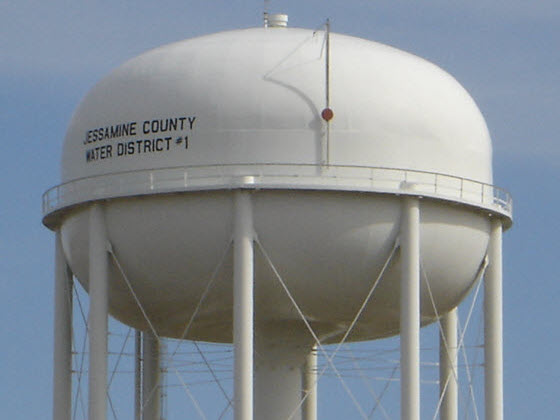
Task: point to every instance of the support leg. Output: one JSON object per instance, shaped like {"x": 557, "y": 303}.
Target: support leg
{"x": 62, "y": 378}
{"x": 448, "y": 367}
{"x": 138, "y": 375}
{"x": 309, "y": 407}
{"x": 493, "y": 334}
{"x": 151, "y": 391}
{"x": 243, "y": 322}
{"x": 410, "y": 310}
{"x": 98, "y": 314}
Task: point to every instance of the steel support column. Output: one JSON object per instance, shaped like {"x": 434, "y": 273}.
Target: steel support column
{"x": 138, "y": 375}
{"x": 410, "y": 309}
{"x": 448, "y": 367}
{"x": 493, "y": 333}
{"x": 98, "y": 314}
{"x": 151, "y": 390}
{"x": 62, "y": 372}
{"x": 309, "y": 407}
{"x": 243, "y": 322}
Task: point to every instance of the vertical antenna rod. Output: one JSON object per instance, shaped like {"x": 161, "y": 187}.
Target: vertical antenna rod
{"x": 328, "y": 63}
{"x": 328, "y": 89}
{"x": 327, "y": 112}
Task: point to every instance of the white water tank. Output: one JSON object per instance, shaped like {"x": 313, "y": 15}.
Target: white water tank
{"x": 165, "y": 139}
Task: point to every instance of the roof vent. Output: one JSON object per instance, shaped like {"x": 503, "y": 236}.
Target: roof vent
{"x": 276, "y": 20}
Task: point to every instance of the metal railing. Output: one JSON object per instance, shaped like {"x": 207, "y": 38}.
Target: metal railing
{"x": 279, "y": 176}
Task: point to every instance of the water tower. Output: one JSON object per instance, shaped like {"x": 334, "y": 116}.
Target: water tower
{"x": 278, "y": 189}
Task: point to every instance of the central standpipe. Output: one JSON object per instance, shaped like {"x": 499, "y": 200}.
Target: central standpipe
{"x": 410, "y": 309}
{"x": 98, "y": 314}
{"x": 279, "y": 360}
{"x": 243, "y": 307}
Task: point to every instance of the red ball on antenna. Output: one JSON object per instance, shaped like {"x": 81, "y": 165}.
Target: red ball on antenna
{"x": 327, "y": 114}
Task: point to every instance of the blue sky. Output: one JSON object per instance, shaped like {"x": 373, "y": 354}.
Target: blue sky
{"x": 505, "y": 53}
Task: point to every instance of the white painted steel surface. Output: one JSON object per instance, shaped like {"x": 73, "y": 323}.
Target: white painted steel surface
{"x": 255, "y": 124}
{"x": 195, "y": 142}
{"x": 62, "y": 354}
{"x": 276, "y": 20}
{"x": 243, "y": 305}
{"x": 448, "y": 373}
{"x": 275, "y": 176}
{"x": 256, "y": 95}
{"x": 328, "y": 246}
{"x": 310, "y": 380}
{"x": 98, "y": 313}
{"x": 151, "y": 373}
{"x": 138, "y": 375}
{"x": 493, "y": 327}
{"x": 279, "y": 360}
{"x": 410, "y": 309}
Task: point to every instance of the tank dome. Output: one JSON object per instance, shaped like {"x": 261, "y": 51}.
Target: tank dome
{"x": 256, "y": 96}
